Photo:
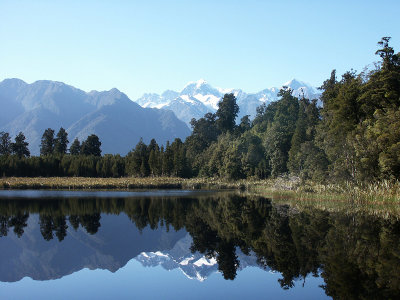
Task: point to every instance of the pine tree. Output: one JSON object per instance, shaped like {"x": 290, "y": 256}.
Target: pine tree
{"x": 227, "y": 113}
{"x": 75, "y": 148}
{"x": 20, "y": 146}
{"x": 5, "y": 143}
{"x": 61, "y": 142}
{"x": 91, "y": 146}
{"x": 47, "y": 142}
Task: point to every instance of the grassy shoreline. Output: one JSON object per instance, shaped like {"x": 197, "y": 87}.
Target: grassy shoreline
{"x": 125, "y": 183}
{"x": 278, "y": 189}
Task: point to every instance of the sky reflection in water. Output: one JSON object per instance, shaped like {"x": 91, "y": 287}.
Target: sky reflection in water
{"x": 153, "y": 245}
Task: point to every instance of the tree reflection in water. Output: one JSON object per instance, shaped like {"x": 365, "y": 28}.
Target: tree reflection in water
{"x": 356, "y": 254}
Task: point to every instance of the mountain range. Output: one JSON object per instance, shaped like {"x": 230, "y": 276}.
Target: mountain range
{"x": 118, "y": 121}
{"x": 116, "y": 243}
{"x": 198, "y": 97}
{"x": 193, "y": 265}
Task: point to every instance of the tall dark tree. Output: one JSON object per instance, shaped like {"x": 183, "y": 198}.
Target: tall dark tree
{"x": 61, "y": 142}
{"x": 47, "y": 142}
{"x": 91, "y": 146}
{"x": 5, "y": 143}
{"x": 138, "y": 160}
{"x": 389, "y": 58}
{"x": 280, "y": 132}
{"x": 179, "y": 158}
{"x": 167, "y": 160}
{"x": 20, "y": 146}
{"x": 75, "y": 148}
{"x": 227, "y": 113}
{"x": 245, "y": 124}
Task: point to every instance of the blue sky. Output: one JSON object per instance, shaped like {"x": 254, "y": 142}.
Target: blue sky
{"x": 151, "y": 46}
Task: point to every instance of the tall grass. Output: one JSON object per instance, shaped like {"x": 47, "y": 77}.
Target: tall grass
{"x": 379, "y": 197}
{"x": 116, "y": 183}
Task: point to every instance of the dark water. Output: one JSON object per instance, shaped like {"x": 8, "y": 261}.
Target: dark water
{"x": 190, "y": 245}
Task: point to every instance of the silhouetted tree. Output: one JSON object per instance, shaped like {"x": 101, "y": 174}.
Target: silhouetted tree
{"x": 47, "y": 142}
{"x": 20, "y": 147}
{"x": 61, "y": 142}
{"x": 227, "y": 113}
{"x": 75, "y": 148}
{"x": 91, "y": 146}
{"x": 5, "y": 143}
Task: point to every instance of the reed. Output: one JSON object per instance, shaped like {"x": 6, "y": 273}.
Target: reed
{"x": 288, "y": 188}
{"x": 380, "y": 198}
{"x": 125, "y": 183}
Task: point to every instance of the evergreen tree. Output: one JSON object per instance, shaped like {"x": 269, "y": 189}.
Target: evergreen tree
{"x": 61, "y": 142}
{"x": 153, "y": 163}
{"x": 20, "y": 146}
{"x": 227, "y": 113}
{"x": 5, "y": 143}
{"x": 245, "y": 125}
{"x": 179, "y": 158}
{"x": 75, "y": 148}
{"x": 91, "y": 146}
{"x": 280, "y": 131}
{"x": 47, "y": 142}
{"x": 167, "y": 160}
{"x": 340, "y": 115}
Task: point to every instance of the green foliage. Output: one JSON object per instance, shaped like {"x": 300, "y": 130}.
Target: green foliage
{"x": 5, "y": 143}
{"x": 61, "y": 142}
{"x": 359, "y": 129}
{"x": 354, "y": 136}
{"x": 20, "y": 146}
{"x": 227, "y": 113}
{"x": 47, "y": 142}
{"x": 279, "y": 132}
{"x": 75, "y": 148}
{"x": 91, "y": 146}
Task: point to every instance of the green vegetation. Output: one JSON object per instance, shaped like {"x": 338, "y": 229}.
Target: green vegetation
{"x": 354, "y": 138}
{"x": 119, "y": 183}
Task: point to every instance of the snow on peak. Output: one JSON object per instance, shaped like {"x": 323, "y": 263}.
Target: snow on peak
{"x": 204, "y": 261}
{"x": 200, "y": 82}
{"x": 197, "y": 84}
{"x": 199, "y": 97}
{"x": 295, "y": 84}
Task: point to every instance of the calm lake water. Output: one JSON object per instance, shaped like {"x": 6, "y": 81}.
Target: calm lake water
{"x": 190, "y": 245}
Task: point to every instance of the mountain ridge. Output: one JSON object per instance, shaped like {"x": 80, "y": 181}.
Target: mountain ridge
{"x": 198, "y": 97}
{"x": 117, "y": 120}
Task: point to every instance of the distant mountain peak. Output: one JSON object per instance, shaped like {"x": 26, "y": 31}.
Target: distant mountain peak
{"x": 118, "y": 121}
{"x": 199, "y": 97}
{"x": 13, "y": 81}
{"x": 197, "y": 84}
{"x": 295, "y": 84}
{"x": 200, "y": 87}
{"x": 115, "y": 90}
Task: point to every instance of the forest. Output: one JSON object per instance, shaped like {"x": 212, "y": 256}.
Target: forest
{"x": 352, "y": 134}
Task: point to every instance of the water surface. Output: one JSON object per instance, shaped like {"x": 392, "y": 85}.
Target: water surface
{"x": 190, "y": 245}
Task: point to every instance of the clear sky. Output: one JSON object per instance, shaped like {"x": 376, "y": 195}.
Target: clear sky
{"x": 151, "y": 46}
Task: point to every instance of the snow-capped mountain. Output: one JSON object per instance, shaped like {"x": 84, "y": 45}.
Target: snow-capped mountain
{"x": 199, "y": 97}
{"x": 193, "y": 265}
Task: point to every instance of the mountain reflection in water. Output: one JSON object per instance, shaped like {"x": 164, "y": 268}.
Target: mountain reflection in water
{"x": 53, "y": 236}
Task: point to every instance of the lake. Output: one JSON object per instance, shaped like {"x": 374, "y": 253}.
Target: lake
{"x": 190, "y": 245}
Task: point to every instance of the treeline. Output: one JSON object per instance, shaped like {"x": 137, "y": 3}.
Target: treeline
{"x": 354, "y": 136}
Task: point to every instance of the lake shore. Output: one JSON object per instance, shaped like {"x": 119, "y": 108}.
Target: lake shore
{"x": 124, "y": 183}
{"x": 285, "y": 188}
